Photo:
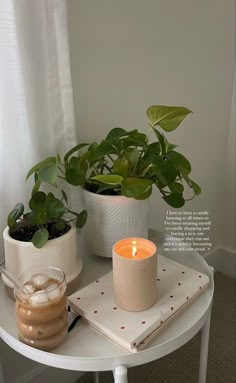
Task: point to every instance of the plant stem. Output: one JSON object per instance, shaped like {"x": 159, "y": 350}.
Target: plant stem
{"x": 108, "y": 155}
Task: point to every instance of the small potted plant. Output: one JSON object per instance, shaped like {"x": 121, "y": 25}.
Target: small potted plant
{"x": 119, "y": 173}
{"x": 43, "y": 236}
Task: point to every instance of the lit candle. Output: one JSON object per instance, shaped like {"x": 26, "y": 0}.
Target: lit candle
{"x": 134, "y": 273}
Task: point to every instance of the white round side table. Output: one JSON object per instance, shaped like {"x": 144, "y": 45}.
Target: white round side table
{"x": 85, "y": 350}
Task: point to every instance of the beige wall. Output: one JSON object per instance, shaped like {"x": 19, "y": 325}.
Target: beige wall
{"x": 127, "y": 55}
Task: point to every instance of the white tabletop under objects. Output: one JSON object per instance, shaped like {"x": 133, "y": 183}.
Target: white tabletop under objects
{"x": 85, "y": 350}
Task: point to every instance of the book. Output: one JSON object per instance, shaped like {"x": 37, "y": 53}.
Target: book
{"x": 177, "y": 287}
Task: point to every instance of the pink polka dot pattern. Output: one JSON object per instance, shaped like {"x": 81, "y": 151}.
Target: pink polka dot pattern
{"x": 176, "y": 286}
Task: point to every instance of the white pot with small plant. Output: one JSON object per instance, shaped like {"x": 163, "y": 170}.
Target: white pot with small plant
{"x": 118, "y": 174}
{"x": 44, "y": 235}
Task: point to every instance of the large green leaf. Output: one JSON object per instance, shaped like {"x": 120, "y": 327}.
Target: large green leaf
{"x": 176, "y": 187}
{"x": 39, "y": 215}
{"x": 109, "y": 179}
{"x": 132, "y": 155}
{"x": 116, "y": 133}
{"x": 40, "y": 238}
{"x": 135, "y": 140}
{"x": 134, "y": 187}
{"x": 15, "y": 214}
{"x": 153, "y": 148}
{"x": 181, "y": 163}
{"x": 73, "y": 150}
{"x": 75, "y": 176}
{"x": 121, "y": 167}
{"x": 163, "y": 142}
{"x": 56, "y": 209}
{"x": 104, "y": 187}
{"x": 165, "y": 170}
{"x": 41, "y": 164}
{"x": 145, "y": 195}
{"x": 37, "y": 199}
{"x": 101, "y": 151}
{"x": 48, "y": 174}
{"x": 167, "y": 117}
{"x": 175, "y": 200}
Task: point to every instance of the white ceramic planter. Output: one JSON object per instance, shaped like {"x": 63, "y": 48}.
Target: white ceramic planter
{"x": 61, "y": 252}
{"x": 111, "y": 218}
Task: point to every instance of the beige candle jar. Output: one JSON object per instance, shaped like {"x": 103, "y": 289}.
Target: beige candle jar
{"x": 135, "y": 274}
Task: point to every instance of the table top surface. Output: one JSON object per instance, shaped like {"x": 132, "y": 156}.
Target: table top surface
{"x": 86, "y": 350}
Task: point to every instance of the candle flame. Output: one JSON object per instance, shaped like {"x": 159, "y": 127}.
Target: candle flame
{"x": 134, "y": 249}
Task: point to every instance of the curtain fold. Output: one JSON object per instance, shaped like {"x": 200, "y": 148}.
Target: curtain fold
{"x": 36, "y": 95}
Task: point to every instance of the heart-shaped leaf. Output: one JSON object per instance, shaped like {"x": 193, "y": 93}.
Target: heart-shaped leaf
{"x": 134, "y": 187}
{"x": 145, "y": 195}
{"x": 132, "y": 155}
{"x": 109, "y": 179}
{"x": 175, "y": 200}
{"x": 176, "y": 187}
{"x": 181, "y": 163}
{"x": 41, "y": 164}
{"x": 167, "y": 117}
{"x": 75, "y": 176}
{"x": 121, "y": 167}
{"x": 49, "y": 174}
{"x": 116, "y": 133}
{"x": 73, "y": 150}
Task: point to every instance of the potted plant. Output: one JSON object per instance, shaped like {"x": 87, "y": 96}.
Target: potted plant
{"x": 119, "y": 173}
{"x": 44, "y": 235}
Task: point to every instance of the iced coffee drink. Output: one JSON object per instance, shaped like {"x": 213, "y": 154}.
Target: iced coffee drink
{"x": 41, "y": 309}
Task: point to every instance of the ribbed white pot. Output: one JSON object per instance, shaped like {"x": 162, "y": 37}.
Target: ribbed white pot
{"x": 111, "y": 218}
{"x": 61, "y": 252}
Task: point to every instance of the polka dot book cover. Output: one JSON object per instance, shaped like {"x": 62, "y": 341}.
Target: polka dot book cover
{"x": 177, "y": 287}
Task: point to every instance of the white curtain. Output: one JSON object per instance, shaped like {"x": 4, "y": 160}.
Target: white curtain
{"x": 36, "y": 97}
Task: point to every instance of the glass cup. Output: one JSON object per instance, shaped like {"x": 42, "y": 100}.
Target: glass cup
{"x": 41, "y": 307}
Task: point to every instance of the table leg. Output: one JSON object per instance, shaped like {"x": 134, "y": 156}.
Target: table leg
{"x": 205, "y": 332}
{"x": 1, "y": 373}
{"x": 120, "y": 375}
{"x": 96, "y": 377}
